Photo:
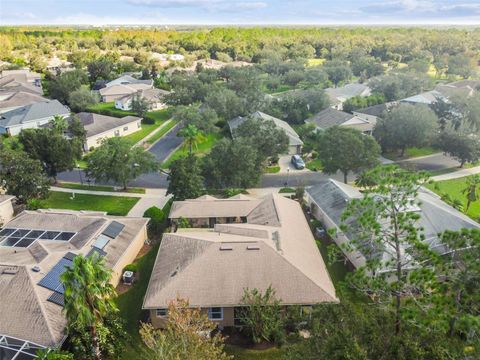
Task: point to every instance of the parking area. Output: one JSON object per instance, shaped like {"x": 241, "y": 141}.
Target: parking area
{"x": 285, "y": 164}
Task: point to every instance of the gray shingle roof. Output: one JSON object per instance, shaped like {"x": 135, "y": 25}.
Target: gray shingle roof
{"x": 16, "y": 98}
{"x": 329, "y": 117}
{"x": 33, "y": 112}
{"x": 96, "y": 124}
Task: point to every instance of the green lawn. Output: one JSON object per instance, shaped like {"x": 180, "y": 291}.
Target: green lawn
{"x": 454, "y": 189}
{"x": 113, "y": 205}
{"x": 144, "y": 131}
{"x": 167, "y": 127}
{"x": 109, "y": 110}
{"x": 130, "y": 304}
{"x": 202, "y": 149}
{"x": 314, "y": 165}
{"x": 286, "y": 190}
{"x": 412, "y": 152}
{"x": 241, "y": 353}
{"x": 77, "y": 186}
{"x": 272, "y": 169}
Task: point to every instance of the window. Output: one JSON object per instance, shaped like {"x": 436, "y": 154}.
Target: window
{"x": 215, "y": 313}
{"x": 125, "y": 128}
{"x": 117, "y": 132}
{"x": 162, "y": 312}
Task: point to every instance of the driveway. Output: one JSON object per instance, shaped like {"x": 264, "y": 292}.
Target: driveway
{"x": 287, "y": 167}
{"x": 433, "y": 162}
{"x": 167, "y": 144}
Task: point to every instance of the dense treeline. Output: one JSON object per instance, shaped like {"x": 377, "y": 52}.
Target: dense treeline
{"x": 252, "y": 44}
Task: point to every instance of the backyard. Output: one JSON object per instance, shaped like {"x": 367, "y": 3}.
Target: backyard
{"x": 410, "y": 153}
{"x": 113, "y": 205}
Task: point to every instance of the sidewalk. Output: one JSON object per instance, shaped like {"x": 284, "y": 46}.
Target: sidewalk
{"x": 457, "y": 174}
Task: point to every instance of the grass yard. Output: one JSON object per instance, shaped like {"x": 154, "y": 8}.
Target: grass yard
{"x": 286, "y": 190}
{"x": 314, "y": 165}
{"x": 411, "y": 153}
{"x": 202, "y": 149}
{"x": 130, "y": 304}
{"x": 77, "y": 186}
{"x": 240, "y": 353}
{"x": 159, "y": 134}
{"x": 454, "y": 189}
{"x": 108, "y": 109}
{"x": 144, "y": 131}
{"x": 113, "y": 205}
{"x": 272, "y": 169}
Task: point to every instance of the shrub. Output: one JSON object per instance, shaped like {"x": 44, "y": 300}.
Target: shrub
{"x": 131, "y": 267}
{"x": 148, "y": 120}
{"x": 157, "y": 221}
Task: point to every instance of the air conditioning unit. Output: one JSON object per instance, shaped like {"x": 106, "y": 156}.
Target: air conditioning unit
{"x": 128, "y": 277}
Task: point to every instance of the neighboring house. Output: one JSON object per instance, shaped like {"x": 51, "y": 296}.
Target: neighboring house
{"x": 31, "y": 116}
{"x": 21, "y": 80}
{"x": 461, "y": 88}
{"x": 12, "y": 99}
{"x": 57, "y": 66}
{"x": 329, "y": 199}
{"x": 101, "y": 127}
{"x": 127, "y": 79}
{"x": 331, "y": 117}
{"x": 295, "y": 143}
{"x": 6, "y": 208}
{"x": 427, "y": 98}
{"x": 341, "y": 94}
{"x": 155, "y": 97}
{"x": 235, "y": 244}
{"x": 23, "y": 75}
{"x": 114, "y": 92}
{"x": 176, "y": 57}
{"x": 375, "y": 112}
{"x": 35, "y": 248}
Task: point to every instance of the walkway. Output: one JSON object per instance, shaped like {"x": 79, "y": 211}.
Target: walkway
{"x": 457, "y": 174}
{"x": 144, "y": 140}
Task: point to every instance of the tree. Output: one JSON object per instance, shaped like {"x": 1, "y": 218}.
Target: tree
{"x": 47, "y": 354}
{"x": 192, "y": 137}
{"x": 100, "y": 69}
{"x": 82, "y": 98}
{"x": 226, "y": 103}
{"x": 115, "y": 160}
{"x": 203, "y": 119}
{"x": 391, "y": 240}
{"x": 184, "y": 336}
{"x": 359, "y": 102}
{"x": 185, "y": 180}
{"x": 56, "y": 152}
{"x": 406, "y": 126}
{"x": 338, "y": 71}
{"x": 346, "y": 150}
{"x": 471, "y": 190}
{"x": 264, "y": 136}
{"x": 140, "y": 105}
{"x": 461, "y": 65}
{"x": 232, "y": 164}
{"x": 89, "y": 297}
{"x": 63, "y": 85}
{"x": 22, "y": 176}
{"x": 399, "y": 86}
{"x": 260, "y": 315}
{"x": 464, "y": 147}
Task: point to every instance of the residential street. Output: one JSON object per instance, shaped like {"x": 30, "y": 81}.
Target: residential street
{"x": 167, "y": 144}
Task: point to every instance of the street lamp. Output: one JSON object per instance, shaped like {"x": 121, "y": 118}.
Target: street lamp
{"x": 288, "y": 174}
{"x": 80, "y": 174}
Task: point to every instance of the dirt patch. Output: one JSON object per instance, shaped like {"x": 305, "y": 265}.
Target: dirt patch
{"x": 145, "y": 249}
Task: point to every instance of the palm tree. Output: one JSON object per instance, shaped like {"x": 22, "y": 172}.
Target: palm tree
{"x": 471, "y": 190}
{"x": 59, "y": 124}
{"x": 192, "y": 136}
{"x": 88, "y": 296}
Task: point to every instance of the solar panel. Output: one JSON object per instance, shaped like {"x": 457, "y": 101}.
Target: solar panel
{"x": 95, "y": 250}
{"x": 113, "y": 229}
{"x": 65, "y": 236}
{"x": 101, "y": 242}
{"x": 10, "y": 241}
{"x": 57, "y": 298}
{"x": 52, "y": 279}
{"x": 34, "y": 234}
{"x": 69, "y": 256}
{"x": 25, "y": 242}
{"x": 20, "y": 233}
{"x": 50, "y": 235}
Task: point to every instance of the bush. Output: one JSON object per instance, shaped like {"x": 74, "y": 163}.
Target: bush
{"x": 157, "y": 221}
{"x": 148, "y": 120}
{"x": 131, "y": 267}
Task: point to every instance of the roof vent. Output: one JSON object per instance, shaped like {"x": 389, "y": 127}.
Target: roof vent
{"x": 10, "y": 271}
{"x": 35, "y": 269}
{"x": 253, "y": 247}
{"x": 225, "y": 248}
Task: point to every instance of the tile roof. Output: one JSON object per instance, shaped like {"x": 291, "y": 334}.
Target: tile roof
{"x": 213, "y": 267}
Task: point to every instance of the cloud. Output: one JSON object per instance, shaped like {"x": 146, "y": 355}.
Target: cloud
{"x": 400, "y": 6}
{"x": 211, "y": 5}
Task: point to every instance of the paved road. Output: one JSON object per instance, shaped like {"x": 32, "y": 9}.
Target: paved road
{"x": 159, "y": 180}
{"x": 166, "y": 144}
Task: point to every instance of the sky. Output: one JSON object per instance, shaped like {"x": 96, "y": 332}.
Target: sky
{"x": 231, "y": 12}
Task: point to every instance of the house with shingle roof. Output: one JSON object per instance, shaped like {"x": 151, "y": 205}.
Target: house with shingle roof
{"x": 154, "y": 97}
{"x": 35, "y": 248}
{"x": 14, "y": 98}
{"x": 339, "y": 95}
{"x": 332, "y": 117}
{"x": 100, "y": 127}
{"x": 117, "y": 91}
{"x": 234, "y": 244}
{"x": 31, "y": 116}
{"x": 294, "y": 142}
{"x": 375, "y": 112}
{"x": 329, "y": 199}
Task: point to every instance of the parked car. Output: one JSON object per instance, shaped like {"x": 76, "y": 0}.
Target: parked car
{"x": 298, "y": 162}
